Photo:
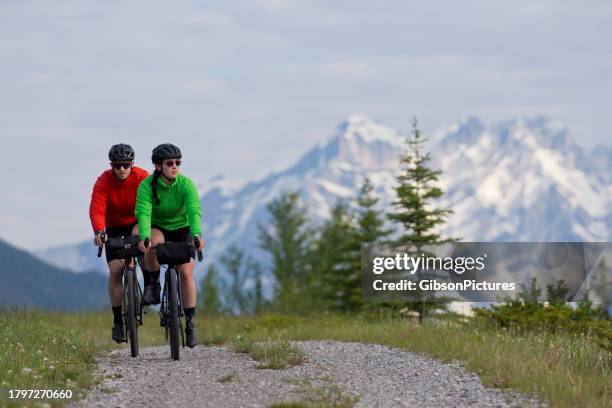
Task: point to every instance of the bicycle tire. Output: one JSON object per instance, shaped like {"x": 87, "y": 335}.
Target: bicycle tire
{"x": 132, "y": 311}
{"x": 173, "y": 309}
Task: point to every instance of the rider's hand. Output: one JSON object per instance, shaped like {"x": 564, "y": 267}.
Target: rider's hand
{"x": 141, "y": 246}
{"x": 202, "y": 244}
{"x": 98, "y": 240}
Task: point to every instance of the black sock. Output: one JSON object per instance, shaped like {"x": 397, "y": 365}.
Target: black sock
{"x": 150, "y": 277}
{"x": 154, "y": 276}
{"x": 146, "y": 275}
{"x": 190, "y": 312}
{"x": 117, "y": 318}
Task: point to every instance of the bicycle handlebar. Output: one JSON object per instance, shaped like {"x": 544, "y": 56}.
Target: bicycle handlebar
{"x": 103, "y": 239}
{"x": 196, "y": 240}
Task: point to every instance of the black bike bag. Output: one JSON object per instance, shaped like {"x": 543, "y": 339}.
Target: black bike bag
{"x": 123, "y": 247}
{"x": 174, "y": 253}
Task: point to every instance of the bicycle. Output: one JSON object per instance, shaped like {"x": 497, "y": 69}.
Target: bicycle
{"x": 126, "y": 248}
{"x": 171, "y": 311}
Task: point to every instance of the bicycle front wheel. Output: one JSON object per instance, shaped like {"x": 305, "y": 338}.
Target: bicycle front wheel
{"x": 173, "y": 308}
{"x": 133, "y": 313}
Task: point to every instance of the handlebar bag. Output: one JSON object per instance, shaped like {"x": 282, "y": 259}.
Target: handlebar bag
{"x": 123, "y": 247}
{"x": 174, "y": 253}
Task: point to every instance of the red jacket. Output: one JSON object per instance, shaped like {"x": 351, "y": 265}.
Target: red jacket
{"x": 113, "y": 200}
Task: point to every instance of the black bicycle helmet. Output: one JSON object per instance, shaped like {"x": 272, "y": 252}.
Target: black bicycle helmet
{"x": 165, "y": 151}
{"x": 121, "y": 152}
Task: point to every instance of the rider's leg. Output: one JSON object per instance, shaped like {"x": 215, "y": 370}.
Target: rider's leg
{"x": 115, "y": 293}
{"x": 150, "y": 257}
{"x": 188, "y": 286}
{"x": 151, "y": 279}
{"x": 188, "y": 292}
{"x": 115, "y": 284}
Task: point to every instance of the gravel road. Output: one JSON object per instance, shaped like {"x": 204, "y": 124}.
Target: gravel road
{"x": 378, "y": 376}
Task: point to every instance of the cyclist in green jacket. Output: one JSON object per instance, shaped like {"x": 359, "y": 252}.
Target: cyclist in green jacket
{"x": 168, "y": 209}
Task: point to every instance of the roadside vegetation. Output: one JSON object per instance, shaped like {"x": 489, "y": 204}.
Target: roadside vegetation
{"x": 47, "y": 350}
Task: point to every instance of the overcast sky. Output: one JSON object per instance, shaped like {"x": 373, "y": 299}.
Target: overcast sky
{"x": 246, "y": 87}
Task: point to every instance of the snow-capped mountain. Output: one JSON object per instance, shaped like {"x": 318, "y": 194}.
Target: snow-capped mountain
{"x": 523, "y": 180}
{"x": 520, "y": 180}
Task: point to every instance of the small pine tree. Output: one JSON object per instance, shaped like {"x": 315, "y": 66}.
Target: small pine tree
{"x": 259, "y": 302}
{"x": 233, "y": 261}
{"x": 209, "y": 298}
{"x": 333, "y": 265}
{"x": 369, "y": 229}
{"x": 414, "y": 210}
{"x": 287, "y": 239}
{"x": 370, "y": 220}
{"x": 416, "y": 190}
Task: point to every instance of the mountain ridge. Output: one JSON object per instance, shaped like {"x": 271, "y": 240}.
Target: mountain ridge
{"x": 523, "y": 179}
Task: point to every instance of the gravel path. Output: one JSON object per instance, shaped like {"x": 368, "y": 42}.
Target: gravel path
{"x": 218, "y": 377}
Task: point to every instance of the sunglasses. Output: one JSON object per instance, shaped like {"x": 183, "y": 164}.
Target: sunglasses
{"x": 118, "y": 166}
{"x": 171, "y": 163}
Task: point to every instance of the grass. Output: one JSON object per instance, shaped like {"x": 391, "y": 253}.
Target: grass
{"x": 228, "y": 378}
{"x": 35, "y": 353}
{"x": 325, "y": 395}
{"x": 565, "y": 369}
{"x": 44, "y": 350}
{"x": 272, "y": 354}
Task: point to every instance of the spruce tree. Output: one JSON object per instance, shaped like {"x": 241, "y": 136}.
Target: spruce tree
{"x": 234, "y": 262}
{"x": 370, "y": 220}
{"x": 417, "y": 189}
{"x": 369, "y": 229}
{"x": 415, "y": 209}
{"x": 287, "y": 239}
{"x": 333, "y": 260}
{"x": 259, "y": 302}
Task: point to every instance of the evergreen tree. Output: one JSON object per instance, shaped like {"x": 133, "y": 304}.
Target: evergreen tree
{"x": 234, "y": 262}
{"x": 414, "y": 195}
{"x": 371, "y": 221}
{"x": 259, "y": 302}
{"x": 287, "y": 240}
{"x": 333, "y": 260}
{"x": 209, "y": 297}
{"x": 415, "y": 210}
{"x": 369, "y": 229}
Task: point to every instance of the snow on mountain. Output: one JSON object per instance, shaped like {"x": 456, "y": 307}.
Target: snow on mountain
{"x": 518, "y": 180}
{"x": 329, "y": 172}
{"x": 521, "y": 180}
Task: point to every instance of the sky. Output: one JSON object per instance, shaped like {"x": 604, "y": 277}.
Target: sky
{"x": 245, "y": 88}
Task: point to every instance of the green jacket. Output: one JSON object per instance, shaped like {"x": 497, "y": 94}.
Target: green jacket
{"x": 179, "y": 206}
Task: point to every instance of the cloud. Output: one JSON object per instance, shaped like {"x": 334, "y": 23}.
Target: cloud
{"x": 344, "y": 68}
{"x": 276, "y": 5}
{"x": 204, "y": 85}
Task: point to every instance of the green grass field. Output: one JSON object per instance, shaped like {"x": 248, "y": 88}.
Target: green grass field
{"x": 52, "y": 350}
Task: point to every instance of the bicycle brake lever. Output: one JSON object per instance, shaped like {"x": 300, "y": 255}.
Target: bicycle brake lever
{"x": 196, "y": 240}
{"x": 103, "y": 239}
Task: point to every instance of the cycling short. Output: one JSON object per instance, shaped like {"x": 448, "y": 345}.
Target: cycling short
{"x": 118, "y": 232}
{"x": 178, "y": 235}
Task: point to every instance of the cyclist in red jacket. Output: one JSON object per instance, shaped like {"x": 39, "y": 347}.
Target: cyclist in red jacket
{"x": 112, "y": 211}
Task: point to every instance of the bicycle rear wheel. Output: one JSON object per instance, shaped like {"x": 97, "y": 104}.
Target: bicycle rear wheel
{"x": 133, "y": 307}
{"x": 173, "y": 308}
